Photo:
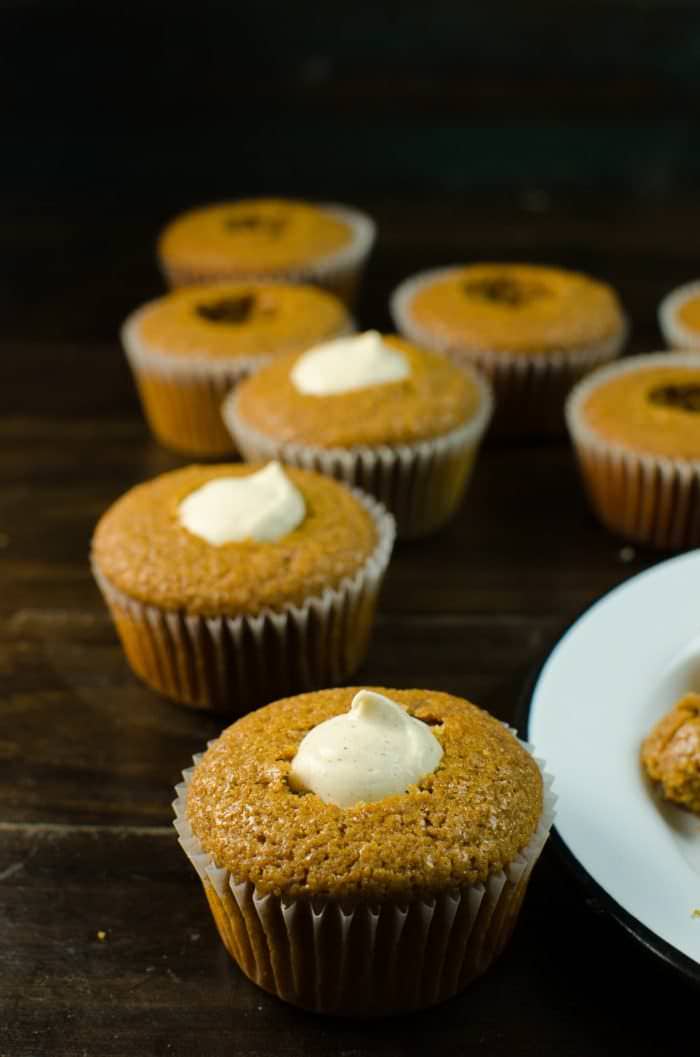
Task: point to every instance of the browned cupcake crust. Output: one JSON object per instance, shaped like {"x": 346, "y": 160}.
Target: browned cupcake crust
{"x": 434, "y": 399}
{"x": 671, "y": 753}
{"x": 239, "y": 319}
{"x": 142, "y": 549}
{"x": 518, "y": 309}
{"x": 652, "y": 407}
{"x": 456, "y": 826}
{"x": 253, "y": 236}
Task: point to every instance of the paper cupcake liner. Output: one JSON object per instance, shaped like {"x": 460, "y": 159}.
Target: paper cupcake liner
{"x": 646, "y": 498}
{"x": 422, "y": 484}
{"x": 340, "y": 272}
{"x": 676, "y": 334}
{"x": 529, "y": 390}
{"x": 231, "y": 664}
{"x": 360, "y": 959}
{"x": 181, "y": 396}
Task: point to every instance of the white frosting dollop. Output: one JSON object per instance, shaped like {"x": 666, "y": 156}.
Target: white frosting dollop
{"x": 374, "y": 750}
{"x": 353, "y": 362}
{"x": 262, "y": 506}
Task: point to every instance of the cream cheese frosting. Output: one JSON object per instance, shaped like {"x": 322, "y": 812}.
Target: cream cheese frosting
{"x": 375, "y": 750}
{"x": 262, "y": 506}
{"x": 347, "y": 363}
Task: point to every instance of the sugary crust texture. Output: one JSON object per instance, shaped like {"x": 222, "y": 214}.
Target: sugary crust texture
{"x": 252, "y": 236}
{"x": 142, "y": 549}
{"x": 234, "y": 319}
{"x": 434, "y": 399}
{"x": 619, "y": 410}
{"x": 689, "y": 313}
{"x": 517, "y": 308}
{"x": 671, "y": 753}
{"x": 455, "y": 827}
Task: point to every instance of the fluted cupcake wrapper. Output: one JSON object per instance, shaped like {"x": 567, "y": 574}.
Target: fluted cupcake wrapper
{"x": 359, "y": 959}
{"x": 422, "y": 484}
{"x": 232, "y": 664}
{"x": 339, "y": 272}
{"x": 181, "y": 396}
{"x": 676, "y": 335}
{"x": 642, "y": 497}
{"x": 529, "y": 390}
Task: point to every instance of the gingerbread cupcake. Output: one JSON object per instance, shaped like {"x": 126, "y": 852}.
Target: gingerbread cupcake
{"x": 636, "y": 430}
{"x": 374, "y": 411}
{"x": 269, "y": 238}
{"x": 532, "y": 330}
{"x": 365, "y": 851}
{"x": 671, "y": 753}
{"x": 679, "y": 317}
{"x": 230, "y": 585}
{"x": 187, "y": 350}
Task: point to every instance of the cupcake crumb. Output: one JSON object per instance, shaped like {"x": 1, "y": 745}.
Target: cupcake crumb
{"x": 627, "y": 554}
{"x": 695, "y": 913}
{"x": 101, "y": 935}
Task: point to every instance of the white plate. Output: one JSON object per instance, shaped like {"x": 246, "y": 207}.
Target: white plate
{"x": 617, "y": 670}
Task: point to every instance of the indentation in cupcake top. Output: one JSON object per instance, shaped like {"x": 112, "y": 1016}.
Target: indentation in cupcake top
{"x": 681, "y": 397}
{"x": 267, "y": 225}
{"x": 505, "y": 290}
{"x": 236, "y": 309}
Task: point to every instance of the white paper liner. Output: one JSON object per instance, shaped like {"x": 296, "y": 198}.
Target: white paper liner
{"x": 676, "y": 334}
{"x": 650, "y": 499}
{"x": 181, "y": 396}
{"x": 232, "y": 664}
{"x": 422, "y": 484}
{"x": 352, "y": 958}
{"x": 529, "y": 390}
{"x": 339, "y": 271}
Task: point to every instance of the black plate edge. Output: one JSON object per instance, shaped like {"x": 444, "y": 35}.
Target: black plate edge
{"x": 670, "y": 955}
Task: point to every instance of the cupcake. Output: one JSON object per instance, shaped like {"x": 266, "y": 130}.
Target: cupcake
{"x": 190, "y": 348}
{"x": 268, "y": 238}
{"x": 364, "y": 852}
{"x": 679, "y": 317}
{"x": 671, "y": 753}
{"x": 532, "y": 330}
{"x": 636, "y": 430}
{"x": 374, "y": 411}
{"x": 230, "y": 585}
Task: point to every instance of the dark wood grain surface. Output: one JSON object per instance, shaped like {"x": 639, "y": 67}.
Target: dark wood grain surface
{"x": 106, "y": 943}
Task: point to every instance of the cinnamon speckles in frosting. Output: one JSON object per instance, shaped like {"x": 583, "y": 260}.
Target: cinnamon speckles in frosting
{"x": 456, "y": 825}
{"x": 374, "y": 750}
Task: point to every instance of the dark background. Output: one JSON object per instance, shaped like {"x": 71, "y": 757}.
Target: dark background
{"x": 487, "y": 123}
{"x": 562, "y": 132}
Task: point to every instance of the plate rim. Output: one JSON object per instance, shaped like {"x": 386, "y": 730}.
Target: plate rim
{"x": 672, "y": 958}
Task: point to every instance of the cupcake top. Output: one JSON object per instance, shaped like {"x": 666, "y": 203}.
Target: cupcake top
{"x": 472, "y": 811}
{"x": 254, "y": 236}
{"x": 671, "y": 753}
{"x": 237, "y": 319}
{"x": 233, "y": 539}
{"x": 368, "y": 389}
{"x": 679, "y": 316}
{"x": 511, "y": 308}
{"x": 646, "y": 403}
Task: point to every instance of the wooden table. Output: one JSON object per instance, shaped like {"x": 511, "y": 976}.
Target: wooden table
{"x": 106, "y": 944}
